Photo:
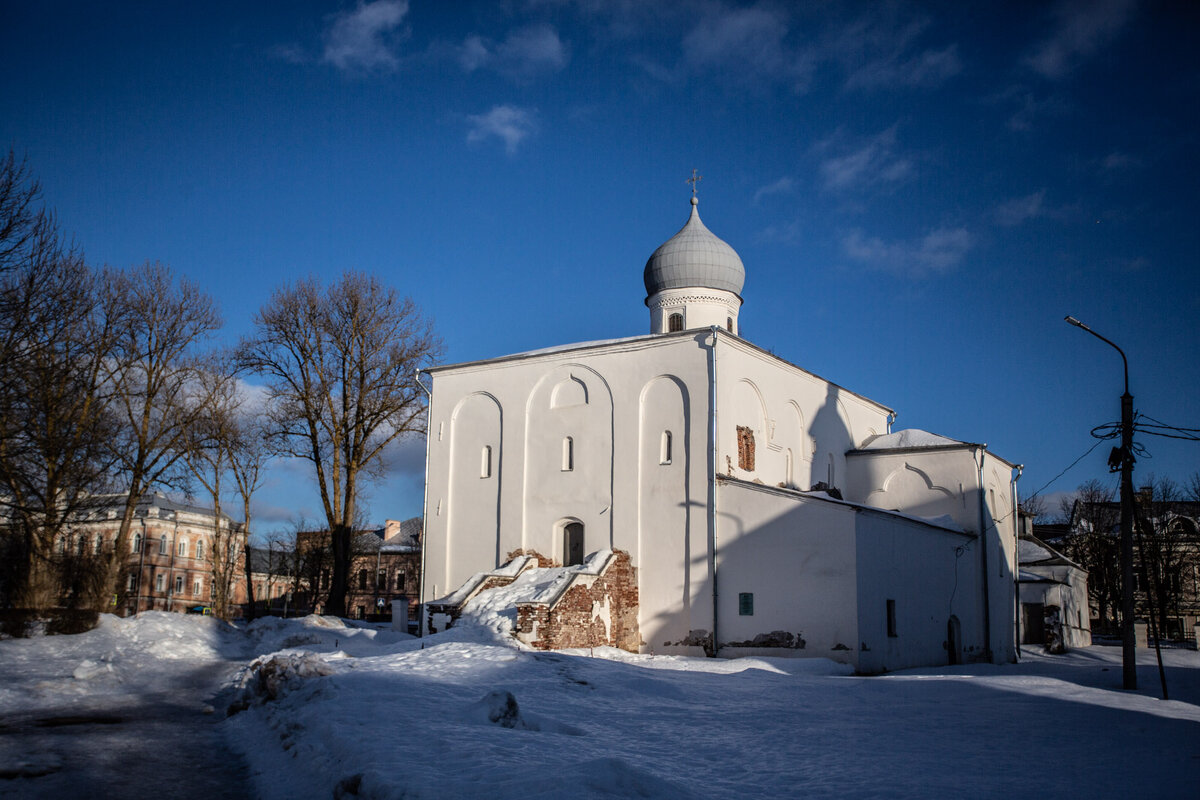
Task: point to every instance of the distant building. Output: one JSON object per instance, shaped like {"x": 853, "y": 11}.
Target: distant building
{"x": 1053, "y": 593}
{"x": 169, "y": 566}
{"x": 385, "y": 568}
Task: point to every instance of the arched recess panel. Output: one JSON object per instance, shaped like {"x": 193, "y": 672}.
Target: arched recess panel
{"x": 569, "y": 402}
{"x": 744, "y": 431}
{"x": 912, "y": 490}
{"x": 664, "y": 558}
{"x": 832, "y": 436}
{"x": 792, "y": 436}
{"x": 473, "y": 527}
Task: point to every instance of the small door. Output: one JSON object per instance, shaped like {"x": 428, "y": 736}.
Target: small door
{"x": 1033, "y": 623}
{"x": 573, "y": 544}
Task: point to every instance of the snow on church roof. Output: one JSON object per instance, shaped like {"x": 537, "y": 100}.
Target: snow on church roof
{"x": 910, "y": 437}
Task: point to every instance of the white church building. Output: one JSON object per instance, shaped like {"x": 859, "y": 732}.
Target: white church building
{"x": 765, "y": 510}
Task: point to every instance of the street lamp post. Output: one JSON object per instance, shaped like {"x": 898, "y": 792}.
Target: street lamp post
{"x": 1128, "y": 652}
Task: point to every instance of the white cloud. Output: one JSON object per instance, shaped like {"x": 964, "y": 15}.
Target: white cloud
{"x": 1081, "y": 28}
{"x": 508, "y": 123}
{"x": 928, "y": 69}
{"x": 524, "y": 53}
{"x": 872, "y": 162}
{"x": 781, "y": 186}
{"x": 1020, "y": 209}
{"x": 937, "y": 253}
{"x": 745, "y": 42}
{"x": 364, "y": 38}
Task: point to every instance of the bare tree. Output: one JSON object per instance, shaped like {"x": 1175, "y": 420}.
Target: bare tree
{"x": 1035, "y": 505}
{"x": 155, "y": 376}
{"x": 247, "y": 457}
{"x": 209, "y": 455}
{"x": 1094, "y": 545}
{"x": 341, "y": 369}
{"x": 1167, "y": 543}
{"x": 55, "y": 337}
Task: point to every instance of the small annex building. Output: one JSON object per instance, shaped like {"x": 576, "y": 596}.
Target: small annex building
{"x": 762, "y": 509}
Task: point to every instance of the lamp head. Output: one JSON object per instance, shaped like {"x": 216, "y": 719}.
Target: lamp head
{"x": 1074, "y": 321}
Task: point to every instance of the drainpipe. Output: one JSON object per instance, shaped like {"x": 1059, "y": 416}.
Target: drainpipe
{"x": 983, "y": 548}
{"x": 171, "y": 563}
{"x": 1016, "y": 567}
{"x": 712, "y": 478}
{"x": 891, "y": 419}
{"x": 424, "y": 502}
{"x": 141, "y": 569}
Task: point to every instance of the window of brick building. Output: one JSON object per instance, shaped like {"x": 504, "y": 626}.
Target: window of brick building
{"x": 137, "y": 543}
{"x": 400, "y": 581}
{"x": 362, "y": 580}
{"x": 181, "y": 551}
{"x": 381, "y": 580}
{"x": 160, "y": 582}
{"x": 162, "y": 546}
{"x": 178, "y": 584}
{"x": 200, "y": 549}
{"x": 197, "y": 587}
{"x": 745, "y": 443}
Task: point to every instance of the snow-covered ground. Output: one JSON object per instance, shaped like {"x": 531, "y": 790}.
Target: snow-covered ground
{"x": 137, "y": 708}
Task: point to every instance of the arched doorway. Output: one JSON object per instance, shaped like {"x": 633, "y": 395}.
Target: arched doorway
{"x": 572, "y": 545}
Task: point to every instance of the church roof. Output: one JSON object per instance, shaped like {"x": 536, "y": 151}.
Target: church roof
{"x": 694, "y": 257}
{"x": 910, "y": 437}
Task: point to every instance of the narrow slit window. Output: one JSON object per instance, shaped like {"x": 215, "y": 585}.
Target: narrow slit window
{"x": 891, "y": 618}
{"x": 568, "y": 454}
{"x": 675, "y": 323}
{"x": 664, "y": 456}
{"x": 485, "y": 462}
{"x": 729, "y": 324}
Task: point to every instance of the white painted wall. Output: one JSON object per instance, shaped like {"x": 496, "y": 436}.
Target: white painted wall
{"x": 934, "y": 481}
{"x": 701, "y": 308}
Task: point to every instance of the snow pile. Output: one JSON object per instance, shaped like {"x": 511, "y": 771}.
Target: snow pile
{"x": 910, "y": 437}
{"x": 343, "y": 709}
{"x": 1030, "y": 552}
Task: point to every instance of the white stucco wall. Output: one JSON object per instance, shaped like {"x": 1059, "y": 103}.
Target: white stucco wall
{"x": 803, "y": 425}
{"x": 1069, "y": 593}
{"x": 614, "y": 401}
{"x": 930, "y": 575}
{"x": 946, "y": 481}
{"x": 796, "y": 555}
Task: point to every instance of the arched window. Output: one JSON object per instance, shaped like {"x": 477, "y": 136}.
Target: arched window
{"x": 664, "y": 455}
{"x": 137, "y": 543}
{"x": 572, "y": 544}
{"x": 675, "y": 323}
{"x": 485, "y": 462}
{"x": 182, "y": 549}
{"x": 162, "y": 546}
{"x": 200, "y": 549}
{"x": 568, "y": 454}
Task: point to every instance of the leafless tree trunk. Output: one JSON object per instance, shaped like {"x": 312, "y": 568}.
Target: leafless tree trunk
{"x": 341, "y": 364}
{"x": 1093, "y": 544}
{"x": 55, "y": 337}
{"x": 155, "y": 376}
{"x": 1166, "y": 545}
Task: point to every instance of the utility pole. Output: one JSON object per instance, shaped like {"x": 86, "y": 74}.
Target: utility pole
{"x": 1125, "y": 457}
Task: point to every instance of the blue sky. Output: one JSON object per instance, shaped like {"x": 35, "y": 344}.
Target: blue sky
{"x": 920, "y": 192}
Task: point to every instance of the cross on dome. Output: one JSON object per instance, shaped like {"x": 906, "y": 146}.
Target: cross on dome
{"x": 694, "y": 180}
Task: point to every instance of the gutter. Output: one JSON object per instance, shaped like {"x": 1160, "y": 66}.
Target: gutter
{"x": 1016, "y": 567}
{"x": 712, "y": 478}
{"x": 424, "y": 507}
{"x": 983, "y": 557}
